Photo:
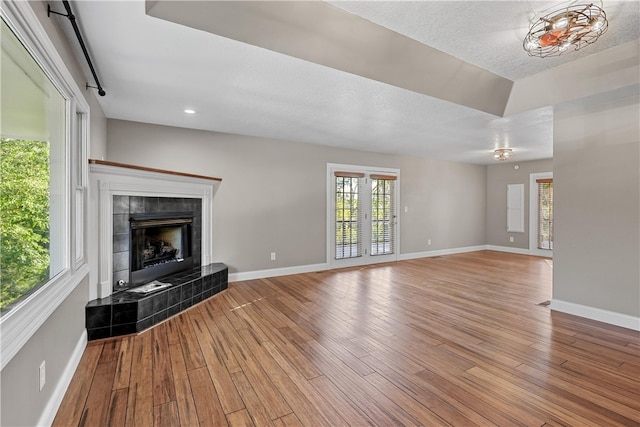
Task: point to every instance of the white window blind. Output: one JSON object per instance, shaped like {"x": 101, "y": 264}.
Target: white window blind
{"x": 545, "y": 213}
{"x": 382, "y": 214}
{"x": 348, "y": 216}
{"x": 515, "y": 208}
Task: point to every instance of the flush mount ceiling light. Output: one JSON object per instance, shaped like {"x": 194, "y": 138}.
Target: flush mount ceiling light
{"x": 189, "y": 111}
{"x": 503, "y": 154}
{"x": 574, "y": 26}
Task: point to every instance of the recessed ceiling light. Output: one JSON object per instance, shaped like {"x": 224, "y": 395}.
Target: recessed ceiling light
{"x": 189, "y": 111}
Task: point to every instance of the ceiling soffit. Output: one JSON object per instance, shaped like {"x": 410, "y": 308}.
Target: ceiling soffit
{"x": 323, "y": 34}
{"x": 607, "y": 71}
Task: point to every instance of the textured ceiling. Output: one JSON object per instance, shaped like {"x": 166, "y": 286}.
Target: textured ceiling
{"x": 489, "y": 34}
{"x": 152, "y": 69}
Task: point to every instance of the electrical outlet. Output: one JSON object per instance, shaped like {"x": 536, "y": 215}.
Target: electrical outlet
{"x": 511, "y": 239}
{"x": 43, "y": 374}
{"x": 429, "y": 242}
{"x": 273, "y": 256}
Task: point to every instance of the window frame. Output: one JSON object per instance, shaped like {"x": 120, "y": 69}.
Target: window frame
{"x": 533, "y": 214}
{"x": 29, "y": 314}
{"x": 542, "y": 189}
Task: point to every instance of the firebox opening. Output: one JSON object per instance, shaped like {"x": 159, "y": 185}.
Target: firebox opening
{"x": 161, "y": 244}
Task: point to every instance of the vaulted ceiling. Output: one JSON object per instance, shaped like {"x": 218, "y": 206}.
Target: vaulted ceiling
{"x": 425, "y": 78}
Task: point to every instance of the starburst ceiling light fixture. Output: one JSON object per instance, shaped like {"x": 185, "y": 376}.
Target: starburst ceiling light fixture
{"x": 503, "y": 154}
{"x": 574, "y": 26}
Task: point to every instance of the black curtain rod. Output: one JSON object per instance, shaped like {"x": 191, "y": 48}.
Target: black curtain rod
{"x": 72, "y": 18}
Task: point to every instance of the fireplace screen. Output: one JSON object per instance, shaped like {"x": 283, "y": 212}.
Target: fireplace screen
{"x": 160, "y": 245}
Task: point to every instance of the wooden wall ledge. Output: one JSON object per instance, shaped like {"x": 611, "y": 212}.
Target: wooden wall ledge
{"x": 144, "y": 168}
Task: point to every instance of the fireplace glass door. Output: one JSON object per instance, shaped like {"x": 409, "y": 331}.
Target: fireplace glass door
{"x": 159, "y": 246}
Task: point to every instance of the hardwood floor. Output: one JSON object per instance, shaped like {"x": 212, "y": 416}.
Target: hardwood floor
{"x": 454, "y": 340}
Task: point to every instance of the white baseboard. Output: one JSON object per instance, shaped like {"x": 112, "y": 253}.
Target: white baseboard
{"x": 440, "y": 252}
{"x": 273, "y": 272}
{"x": 285, "y": 271}
{"x": 606, "y": 316}
{"x": 50, "y": 411}
{"x": 520, "y": 251}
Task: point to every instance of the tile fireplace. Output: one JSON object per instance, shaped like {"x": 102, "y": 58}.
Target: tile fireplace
{"x": 152, "y": 225}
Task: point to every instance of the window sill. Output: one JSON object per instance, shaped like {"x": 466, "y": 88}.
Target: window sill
{"x": 21, "y": 323}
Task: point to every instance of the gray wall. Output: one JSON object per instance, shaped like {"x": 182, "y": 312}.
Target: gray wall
{"x": 21, "y": 401}
{"x": 597, "y": 203}
{"x": 98, "y": 127}
{"x": 447, "y": 204}
{"x": 273, "y": 194}
{"x": 498, "y": 177}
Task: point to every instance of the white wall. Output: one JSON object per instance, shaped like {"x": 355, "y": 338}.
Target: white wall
{"x": 273, "y": 194}
{"x": 597, "y": 205}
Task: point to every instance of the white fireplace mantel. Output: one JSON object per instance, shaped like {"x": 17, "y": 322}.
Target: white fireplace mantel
{"x": 108, "y": 179}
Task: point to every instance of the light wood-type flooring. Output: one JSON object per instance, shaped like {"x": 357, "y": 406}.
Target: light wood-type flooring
{"x": 454, "y": 340}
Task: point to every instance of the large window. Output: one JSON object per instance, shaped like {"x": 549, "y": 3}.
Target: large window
{"x": 32, "y": 175}
{"x": 43, "y": 147}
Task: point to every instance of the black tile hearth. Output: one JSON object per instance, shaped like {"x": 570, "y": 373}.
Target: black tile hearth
{"x": 128, "y": 312}
{"x": 99, "y": 333}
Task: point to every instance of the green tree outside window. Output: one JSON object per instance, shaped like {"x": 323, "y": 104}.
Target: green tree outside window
{"x": 24, "y": 218}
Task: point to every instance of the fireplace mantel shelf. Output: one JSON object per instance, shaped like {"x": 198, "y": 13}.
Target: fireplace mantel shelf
{"x": 147, "y": 169}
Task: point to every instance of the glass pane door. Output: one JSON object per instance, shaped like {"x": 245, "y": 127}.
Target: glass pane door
{"x": 348, "y": 222}
{"x": 383, "y": 216}
{"x": 362, "y": 223}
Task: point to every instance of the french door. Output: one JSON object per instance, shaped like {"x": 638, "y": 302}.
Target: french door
{"x": 362, "y": 220}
